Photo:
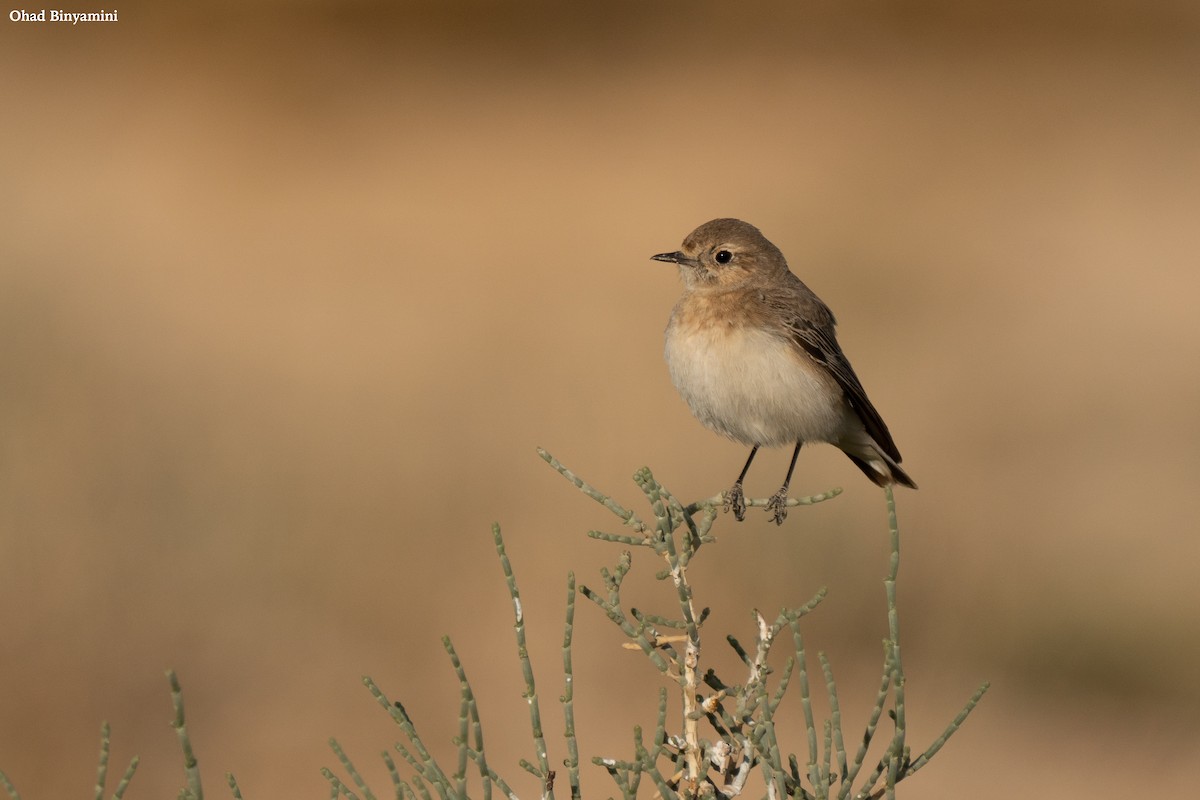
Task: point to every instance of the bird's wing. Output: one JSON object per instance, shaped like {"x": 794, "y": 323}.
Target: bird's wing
{"x": 810, "y": 324}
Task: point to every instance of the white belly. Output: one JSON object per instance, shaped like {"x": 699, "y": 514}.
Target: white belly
{"x": 753, "y": 387}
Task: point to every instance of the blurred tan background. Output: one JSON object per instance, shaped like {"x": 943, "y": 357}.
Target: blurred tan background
{"x": 289, "y": 293}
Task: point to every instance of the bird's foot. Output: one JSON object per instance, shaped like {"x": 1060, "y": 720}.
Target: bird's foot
{"x": 735, "y": 499}
{"x": 778, "y": 505}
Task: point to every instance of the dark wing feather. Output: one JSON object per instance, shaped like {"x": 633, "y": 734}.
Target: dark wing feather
{"x": 811, "y": 325}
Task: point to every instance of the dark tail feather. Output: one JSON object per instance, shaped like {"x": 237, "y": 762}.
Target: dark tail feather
{"x": 895, "y": 473}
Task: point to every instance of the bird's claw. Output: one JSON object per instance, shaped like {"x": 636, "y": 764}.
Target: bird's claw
{"x": 735, "y": 499}
{"x": 778, "y": 504}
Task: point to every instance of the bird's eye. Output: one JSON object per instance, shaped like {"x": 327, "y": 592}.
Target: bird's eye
{"x": 723, "y": 256}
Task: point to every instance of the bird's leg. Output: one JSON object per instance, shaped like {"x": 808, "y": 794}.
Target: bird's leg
{"x": 778, "y": 501}
{"x": 734, "y": 498}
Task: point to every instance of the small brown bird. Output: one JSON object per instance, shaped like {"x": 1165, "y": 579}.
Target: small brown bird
{"x": 753, "y": 352}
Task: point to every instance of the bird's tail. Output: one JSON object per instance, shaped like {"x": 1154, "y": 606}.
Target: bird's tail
{"x": 877, "y": 465}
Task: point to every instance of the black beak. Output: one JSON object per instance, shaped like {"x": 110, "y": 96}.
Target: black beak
{"x": 675, "y": 258}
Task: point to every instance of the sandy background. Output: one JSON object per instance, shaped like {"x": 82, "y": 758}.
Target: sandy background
{"x": 289, "y": 293}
